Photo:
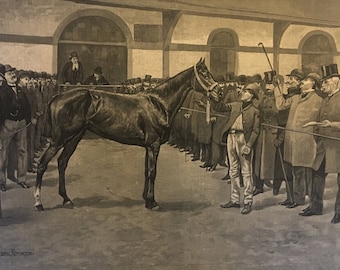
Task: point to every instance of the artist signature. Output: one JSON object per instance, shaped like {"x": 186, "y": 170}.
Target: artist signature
{"x": 13, "y": 252}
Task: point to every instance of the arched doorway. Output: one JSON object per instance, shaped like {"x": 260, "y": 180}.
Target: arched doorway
{"x": 98, "y": 42}
{"x": 223, "y": 44}
{"x": 316, "y": 49}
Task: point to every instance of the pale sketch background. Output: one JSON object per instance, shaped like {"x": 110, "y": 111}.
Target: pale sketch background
{"x": 109, "y": 228}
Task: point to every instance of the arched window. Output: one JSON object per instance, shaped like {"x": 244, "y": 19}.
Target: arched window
{"x": 317, "y": 50}
{"x": 98, "y": 42}
{"x": 223, "y": 45}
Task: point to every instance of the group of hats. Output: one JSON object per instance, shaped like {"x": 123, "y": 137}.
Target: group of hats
{"x": 25, "y": 73}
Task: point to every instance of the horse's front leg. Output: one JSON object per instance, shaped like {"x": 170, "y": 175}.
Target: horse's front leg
{"x": 151, "y": 157}
{"x": 63, "y": 159}
{"x": 42, "y": 166}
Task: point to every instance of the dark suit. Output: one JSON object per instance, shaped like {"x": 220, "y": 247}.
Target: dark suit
{"x": 92, "y": 80}
{"x": 15, "y": 114}
{"x": 72, "y": 76}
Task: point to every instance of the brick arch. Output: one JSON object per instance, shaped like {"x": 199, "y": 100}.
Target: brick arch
{"x": 311, "y": 62}
{"x": 95, "y": 13}
{"x": 226, "y": 58}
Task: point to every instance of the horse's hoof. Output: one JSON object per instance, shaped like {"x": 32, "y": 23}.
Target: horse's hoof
{"x": 151, "y": 205}
{"x": 68, "y": 203}
{"x": 156, "y": 208}
{"x": 39, "y": 207}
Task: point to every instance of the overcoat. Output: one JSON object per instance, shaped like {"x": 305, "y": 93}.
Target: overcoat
{"x": 200, "y": 129}
{"x": 72, "y": 76}
{"x": 330, "y": 110}
{"x": 300, "y": 149}
{"x": 265, "y": 150}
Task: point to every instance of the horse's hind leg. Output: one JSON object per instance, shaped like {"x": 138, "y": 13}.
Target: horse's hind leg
{"x": 151, "y": 157}
{"x": 42, "y": 166}
{"x": 63, "y": 159}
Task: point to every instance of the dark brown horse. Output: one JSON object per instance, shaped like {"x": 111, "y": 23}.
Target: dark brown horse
{"x": 142, "y": 119}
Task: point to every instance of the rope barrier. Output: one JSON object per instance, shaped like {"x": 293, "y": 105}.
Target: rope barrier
{"x": 273, "y": 126}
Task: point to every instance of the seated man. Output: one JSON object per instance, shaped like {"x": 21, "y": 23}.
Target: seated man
{"x": 96, "y": 78}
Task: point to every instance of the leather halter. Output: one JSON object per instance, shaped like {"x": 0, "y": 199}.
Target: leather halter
{"x": 201, "y": 82}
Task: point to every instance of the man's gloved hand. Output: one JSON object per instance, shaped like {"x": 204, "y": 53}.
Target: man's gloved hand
{"x": 245, "y": 150}
{"x": 187, "y": 115}
{"x": 277, "y": 142}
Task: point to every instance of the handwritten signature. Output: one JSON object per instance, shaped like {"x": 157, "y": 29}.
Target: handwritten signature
{"x": 13, "y": 253}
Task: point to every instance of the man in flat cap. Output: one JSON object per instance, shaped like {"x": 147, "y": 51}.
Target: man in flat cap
{"x": 242, "y": 128}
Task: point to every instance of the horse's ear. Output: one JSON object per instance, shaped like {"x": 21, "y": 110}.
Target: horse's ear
{"x": 203, "y": 60}
{"x": 200, "y": 60}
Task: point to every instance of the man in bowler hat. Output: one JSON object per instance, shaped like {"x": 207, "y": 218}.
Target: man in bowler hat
{"x": 300, "y": 149}
{"x": 15, "y": 114}
{"x": 96, "y": 78}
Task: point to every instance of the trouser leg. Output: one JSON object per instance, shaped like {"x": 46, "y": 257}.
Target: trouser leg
{"x": 337, "y": 201}
{"x": 21, "y": 144}
{"x": 299, "y": 184}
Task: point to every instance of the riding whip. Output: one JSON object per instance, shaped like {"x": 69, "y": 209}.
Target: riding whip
{"x": 265, "y": 52}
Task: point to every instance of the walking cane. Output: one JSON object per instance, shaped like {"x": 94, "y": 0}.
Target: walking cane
{"x": 270, "y": 64}
{"x": 186, "y": 116}
{"x": 285, "y": 175}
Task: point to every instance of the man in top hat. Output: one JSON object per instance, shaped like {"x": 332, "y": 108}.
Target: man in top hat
{"x": 242, "y": 128}
{"x": 300, "y": 149}
{"x": 15, "y": 114}
{"x": 328, "y": 125}
{"x": 96, "y": 78}
{"x": 265, "y": 164}
{"x": 72, "y": 72}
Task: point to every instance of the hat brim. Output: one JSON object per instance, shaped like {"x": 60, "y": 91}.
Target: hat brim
{"x": 294, "y": 75}
{"x": 330, "y": 76}
{"x": 11, "y": 69}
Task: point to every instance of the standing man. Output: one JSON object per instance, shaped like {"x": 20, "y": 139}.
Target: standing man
{"x": 243, "y": 128}
{"x": 28, "y": 89}
{"x": 300, "y": 149}
{"x": 265, "y": 151}
{"x": 72, "y": 72}
{"x": 328, "y": 125}
{"x": 15, "y": 114}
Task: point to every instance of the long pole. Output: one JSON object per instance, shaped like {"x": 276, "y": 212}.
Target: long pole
{"x": 265, "y": 52}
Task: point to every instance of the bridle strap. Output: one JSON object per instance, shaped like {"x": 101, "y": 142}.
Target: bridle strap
{"x": 201, "y": 83}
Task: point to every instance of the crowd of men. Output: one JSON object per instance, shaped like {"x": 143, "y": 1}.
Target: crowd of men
{"x": 24, "y": 96}
{"x": 266, "y": 131}
{"x": 262, "y": 130}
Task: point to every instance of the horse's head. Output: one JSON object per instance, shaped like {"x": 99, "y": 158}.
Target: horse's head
{"x": 204, "y": 82}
